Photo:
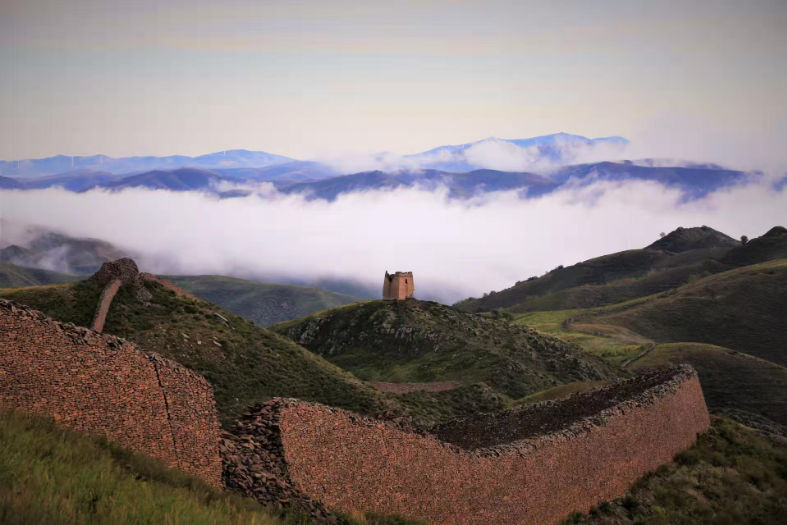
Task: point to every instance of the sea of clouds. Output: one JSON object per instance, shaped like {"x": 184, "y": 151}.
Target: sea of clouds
{"x": 456, "y": 248}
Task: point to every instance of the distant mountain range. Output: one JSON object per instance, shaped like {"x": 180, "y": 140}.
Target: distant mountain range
{"x": 465, "y": 170}
{"x": 239, "y": 158}
{"x": 559, "y": 149}
{"x": 693, "y": 181}
{"x": 544, "y": 152}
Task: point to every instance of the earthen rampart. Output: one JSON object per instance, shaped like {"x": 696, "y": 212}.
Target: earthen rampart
{"x": 104, "y": 385}
{"x": 532, "y": 465}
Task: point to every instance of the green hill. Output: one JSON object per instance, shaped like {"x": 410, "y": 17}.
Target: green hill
{"x": 742, "y": 309}
{"x": 421, "y": 341}
{"x": 245, "y": 363}
{"x": 265, "y": 304}
{"x": 685, "y": 239}
{"x": 12, "y": 276}
{"x": 681, "y": 257}
{"x": 59, "y": 477}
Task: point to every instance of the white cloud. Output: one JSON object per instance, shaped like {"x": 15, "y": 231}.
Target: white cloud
{"x": 456, "y": 248}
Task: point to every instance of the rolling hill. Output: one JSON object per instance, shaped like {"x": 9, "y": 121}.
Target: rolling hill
{"x": 421, "y": 341}
{"x": 742, "y": 309}
{"x": 244, "y": 363}
{"x": 684, "y": 255}
{"x": 459, "y": 185}
{"x": 49, "y": 250}
{"x": 264, "y": 304}
{"x": 184, "y": 179}
{"x": 76, "y": 180}
{"x": 239, "y": 158}
{"x": 13, "y": 276}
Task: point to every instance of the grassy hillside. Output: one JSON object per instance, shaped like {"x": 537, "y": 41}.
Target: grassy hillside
{"x": 685, "y": 239}
{"x": 733, "y": 475}
{"x": 601, "y": 270}
{"x": 12, "y": 276}
{"x": 265, "y": 304}
{"x": 743, "y": 309}
{"x": 656, "y": 280}
{"x": 244, "y": 363}
{"x": 730, "y": 380}
{"x": 59, "y": 477}
{"x": 681, "y": 257}
{"x": 421, "y": 341}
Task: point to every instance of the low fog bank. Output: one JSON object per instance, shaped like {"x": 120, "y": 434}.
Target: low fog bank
{"x": 455, "y": 248}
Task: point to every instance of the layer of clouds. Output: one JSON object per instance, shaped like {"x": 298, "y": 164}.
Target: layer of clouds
{"x": 491, "y": 153}
{"x": 456, "y": 248}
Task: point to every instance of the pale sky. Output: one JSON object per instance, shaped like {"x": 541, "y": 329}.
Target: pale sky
{"x": 322, "y": 78}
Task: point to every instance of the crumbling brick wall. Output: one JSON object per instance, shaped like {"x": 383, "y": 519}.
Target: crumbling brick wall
{"x": 585, "y": 450}
{"x": 104, "y": 385}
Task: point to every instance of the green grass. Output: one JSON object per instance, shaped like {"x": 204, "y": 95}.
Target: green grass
{"x": 742, "y": 309}
{"x": 12, "y": 276}
{"x": 56, "y": 476}
{"x": 559, "y": 392}
{"x": 265, "y": 304}
{"x": 420, "y": 341}
{"x": 733, "y": 475}
{"x": 613, "y": 344}
{"x": 245, "y": 363}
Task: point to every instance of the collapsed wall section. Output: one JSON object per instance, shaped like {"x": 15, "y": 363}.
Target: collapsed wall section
{"x": 104, "y": 385}
{"x": 585, "y": 450}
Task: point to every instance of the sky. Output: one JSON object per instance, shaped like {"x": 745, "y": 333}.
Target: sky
{"x": 325, "y": 78}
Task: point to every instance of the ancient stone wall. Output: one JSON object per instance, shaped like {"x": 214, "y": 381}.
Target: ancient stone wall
{"x": 104, "y": 302}
{"x": 104, "y": 385}
{"x": 549, "y": 460}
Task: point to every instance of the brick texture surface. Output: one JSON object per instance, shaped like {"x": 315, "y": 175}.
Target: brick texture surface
{"x": 104, "y": 385}
{"x": 593, "y": 446}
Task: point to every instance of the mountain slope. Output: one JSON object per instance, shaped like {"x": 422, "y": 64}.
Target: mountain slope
{"x": 45, "y": 249}
{"x": 459, "y": 185}
{"x": 12, "y": 276}
{"x": 265, "y": 304}
{"x": 693, "y": 181}
{"x": 420, "y": 341}
{"x": 682, "y": 256}
{"x": 244, "y": 363}
{"x": 295, "y": 171}
{"x": 184, "y": 179}
{"x": 57, "y": 476}
{"x": 238, "y": 158}
{"x": 7, "y": 183}
{"x": 685, "y": 239}
{"x": 742, "y": 309}
{"x": 76, "y": 180}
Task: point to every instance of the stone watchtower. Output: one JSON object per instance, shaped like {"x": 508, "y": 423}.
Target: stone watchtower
{"x": 399, "y": 285}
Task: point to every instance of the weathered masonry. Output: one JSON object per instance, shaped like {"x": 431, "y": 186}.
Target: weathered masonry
{"x": 399, "y": 285}
{"x": 104, "y": 385}
{"x": 536, "y": 464}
